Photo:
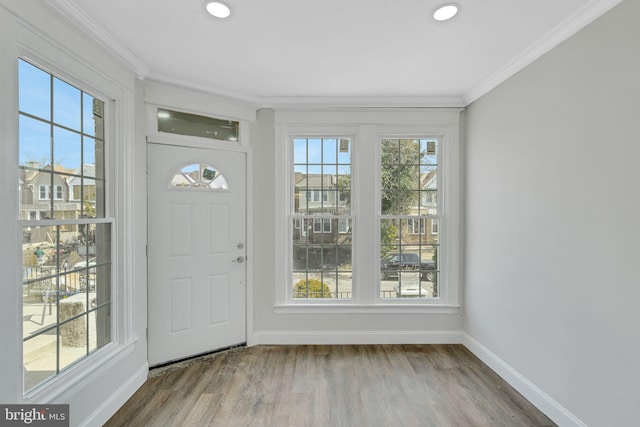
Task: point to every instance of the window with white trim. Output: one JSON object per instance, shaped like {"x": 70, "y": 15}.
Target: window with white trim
{"x": 409, "y": 254}
{"x": 67, "y": 249}
{"x": 401, "y": 224}
{"x": 416, "y": 225}
{"x": 434, "y": 227}
{"x": 45, "y": 191}
{"x": 320, "y": 250}
{"x": 322, "y": 225}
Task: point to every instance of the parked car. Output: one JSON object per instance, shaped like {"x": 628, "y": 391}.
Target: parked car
{"x": 394, "y": 263}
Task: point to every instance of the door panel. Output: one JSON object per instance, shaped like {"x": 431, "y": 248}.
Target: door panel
{"x": 196, "y": 236}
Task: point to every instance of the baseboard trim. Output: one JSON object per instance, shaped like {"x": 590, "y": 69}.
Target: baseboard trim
{"x": 545, "y": 403}
{"x": 110, "y": 406}
{"x": 355, "y": 337}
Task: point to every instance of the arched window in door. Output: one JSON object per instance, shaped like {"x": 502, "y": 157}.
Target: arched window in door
{"x": 199, "y": 176}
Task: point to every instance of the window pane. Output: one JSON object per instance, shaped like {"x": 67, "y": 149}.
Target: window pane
{"x": 195, "y": 125}
{"x": 329, "y": 151}
{"x": 314, "y": 151}
{"x": 428, "y": 152}
{"x": 40, "y": 358}
{"x": 34, "y": 143}
{"x": 34, "y": 90}
{"x": 344, "y": 151}
{"x": 89, "y": 152}
{"x": 73, "y": 330}
{"x": 92, "y": 112}
{"x": 35, "y": 192}
{"x": 99, "y": 327}
{"x": 343, "y": 196}
{"x": 300, "y": 151}
{"x": 431, "y": 231}
{"x": 67, "y": 152}
{"x": 66, "y": 105}
{"x": 39, "y": 311}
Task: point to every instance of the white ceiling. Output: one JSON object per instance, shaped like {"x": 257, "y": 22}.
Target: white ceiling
{"x": 343, "y": 52}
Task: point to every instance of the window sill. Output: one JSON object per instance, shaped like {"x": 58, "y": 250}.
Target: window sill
{"x": 379, "y": 308}
{"x": 62, "y": 385}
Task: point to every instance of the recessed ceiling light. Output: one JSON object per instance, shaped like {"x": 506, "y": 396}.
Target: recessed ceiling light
{"x": 446, "y": 12}
{"x": 218, "y": 9}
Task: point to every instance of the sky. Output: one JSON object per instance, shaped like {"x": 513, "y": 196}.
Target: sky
{"x": 71, "y": 110}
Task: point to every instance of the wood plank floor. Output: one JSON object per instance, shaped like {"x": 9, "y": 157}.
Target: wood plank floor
{"x": 332, "y": 386}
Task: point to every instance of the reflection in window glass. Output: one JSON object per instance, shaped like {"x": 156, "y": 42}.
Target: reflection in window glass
{"x": 66, "y": 264}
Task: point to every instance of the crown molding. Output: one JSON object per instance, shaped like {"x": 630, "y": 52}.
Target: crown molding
{"x": 206, "y": 88}
{"x": 316, "y": 101}
{"x": 362, "y": 101}
{"x": 567, "y": 28}
{"x": 80, "y": 19}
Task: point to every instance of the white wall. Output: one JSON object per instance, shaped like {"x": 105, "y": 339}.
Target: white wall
{"x": 553, "y": 222}
{"x": 98, "y": 385}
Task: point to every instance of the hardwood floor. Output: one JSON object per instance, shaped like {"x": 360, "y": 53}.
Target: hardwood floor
{"x": 350, "y": 386}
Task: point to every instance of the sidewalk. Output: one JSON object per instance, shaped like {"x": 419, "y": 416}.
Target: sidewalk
{"x": 40, "y": 353}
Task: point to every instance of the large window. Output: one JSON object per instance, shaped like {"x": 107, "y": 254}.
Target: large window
{"x": 66, "y": 249}
{"x": 321, "y": 237}
{"x": 408, "y": 248}
{"x": 385, "y": 236}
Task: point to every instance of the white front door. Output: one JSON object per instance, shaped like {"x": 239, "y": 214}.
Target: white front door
{"x": 196, "y": 251}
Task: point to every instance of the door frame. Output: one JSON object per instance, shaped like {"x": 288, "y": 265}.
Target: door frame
{"x": 213, "y": 145}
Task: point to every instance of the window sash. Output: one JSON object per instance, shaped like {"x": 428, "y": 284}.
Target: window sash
{"x": 319, "y": 250}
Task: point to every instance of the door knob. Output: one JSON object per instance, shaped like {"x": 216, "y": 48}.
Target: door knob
{"x": 239, "y": 259}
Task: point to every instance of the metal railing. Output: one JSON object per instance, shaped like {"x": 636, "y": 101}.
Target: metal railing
{"x": 343, "y": 295}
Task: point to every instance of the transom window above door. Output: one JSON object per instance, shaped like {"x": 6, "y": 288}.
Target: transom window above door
{"x": 180, "y": 123}
{"x": 199, "y": 176}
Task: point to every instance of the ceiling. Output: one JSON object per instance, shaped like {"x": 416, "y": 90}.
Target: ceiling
{"x": 342, "y": 52}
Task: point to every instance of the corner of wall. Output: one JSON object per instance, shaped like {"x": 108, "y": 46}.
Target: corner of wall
{"x": 530, "y": 391}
